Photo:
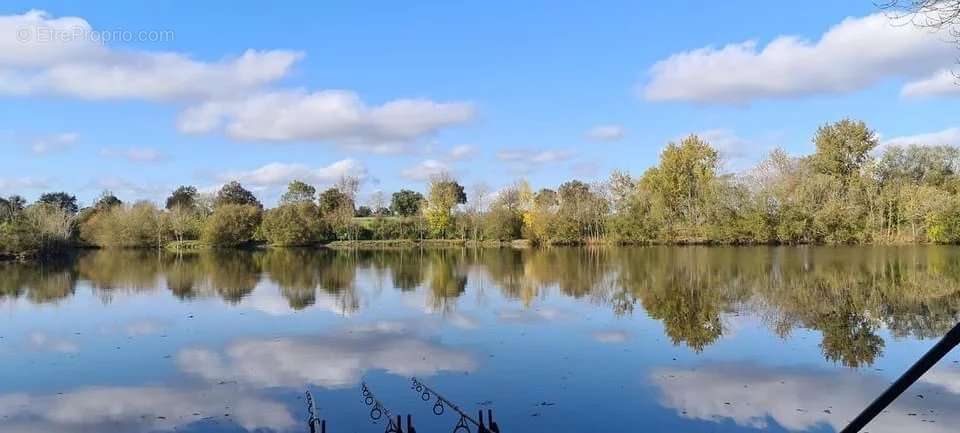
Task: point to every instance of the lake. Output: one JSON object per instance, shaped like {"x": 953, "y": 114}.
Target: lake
{"x": 652, "y": 339}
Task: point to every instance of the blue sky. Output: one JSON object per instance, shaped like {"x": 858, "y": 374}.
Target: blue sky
{"x": 489, "y": 91}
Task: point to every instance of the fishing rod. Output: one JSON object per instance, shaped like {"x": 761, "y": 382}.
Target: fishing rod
{"x": 379, "y": 410}
{"x": 426, "y": 393}
{"x": 927, "y": 361}
{"x": 316, "y": 424}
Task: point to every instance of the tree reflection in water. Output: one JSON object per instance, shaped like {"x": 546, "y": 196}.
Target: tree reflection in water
{"x": 846, "y": 293}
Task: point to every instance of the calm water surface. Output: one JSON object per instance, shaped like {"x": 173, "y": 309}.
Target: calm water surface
{"x": 683, "y": 339}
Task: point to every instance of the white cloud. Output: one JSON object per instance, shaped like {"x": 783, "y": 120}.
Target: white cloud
{"x": 329, "y": 115}
{"x": 585, "y": 169}
{"x": 460, "y": 152}
{"x": 854, "y": 54}
{"x": 53, "y": 143}
{"x": 230, "y": 94}
{"x": 949, "y": 136}
{"x": 550, "y": 156}
{"x": 279, "y": 174}
{"x": 134, "y": 154}
{"x": 941, "y": 83}
{"x": 329, "y": 361}
{"x": 128, "y": 190}
{"x": 606, "y": 133}
{"x": 425, "y": 170}
{"x": 83, "y": 68}
{"x": 528, "y": 160}
{"x": 28, "y": 51}
{"x": 17, "y": 184}
{"x": 736, "y": 153}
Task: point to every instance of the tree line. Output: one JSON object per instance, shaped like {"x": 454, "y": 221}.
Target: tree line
{"x": 847, "y": 191}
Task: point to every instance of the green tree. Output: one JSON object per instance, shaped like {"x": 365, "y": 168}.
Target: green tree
{"x": 60, "y": 200}
{"x": 235, "y": 194}
{"x": 503, "y": 219}
{"x": 929, "y": 165}
{"x": 183, "y": 196}
{"x": 336, "y": 208}
{"x": 364, "y": 211}
{"x": 107, "y": 201}
{"x": 843, "y": 147}
{"x": 580, "y": 213}
{"x": 681, "y": 182}
{"x": 298, "y": 192}
{"x": 406, "y": 203}
{"x": 333, "y": 201}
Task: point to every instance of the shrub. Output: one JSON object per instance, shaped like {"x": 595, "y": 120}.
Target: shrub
{"x": 502, "y": 223}
{"x": 41, "y": 229}
{"x": 138, "y": 226}
{"x": 231, "y": 225}
{"x": 293, "y": 225}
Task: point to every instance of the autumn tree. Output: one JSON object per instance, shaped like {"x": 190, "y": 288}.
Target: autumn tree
{"x": 445, "y": 194}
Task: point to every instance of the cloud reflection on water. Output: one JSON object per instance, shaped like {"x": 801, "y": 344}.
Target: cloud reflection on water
{"x": 48, "y": 343}
{"x": 330, "y": 361}
{"x": 138, "y": 409}
{"x": 804, "y": 399}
